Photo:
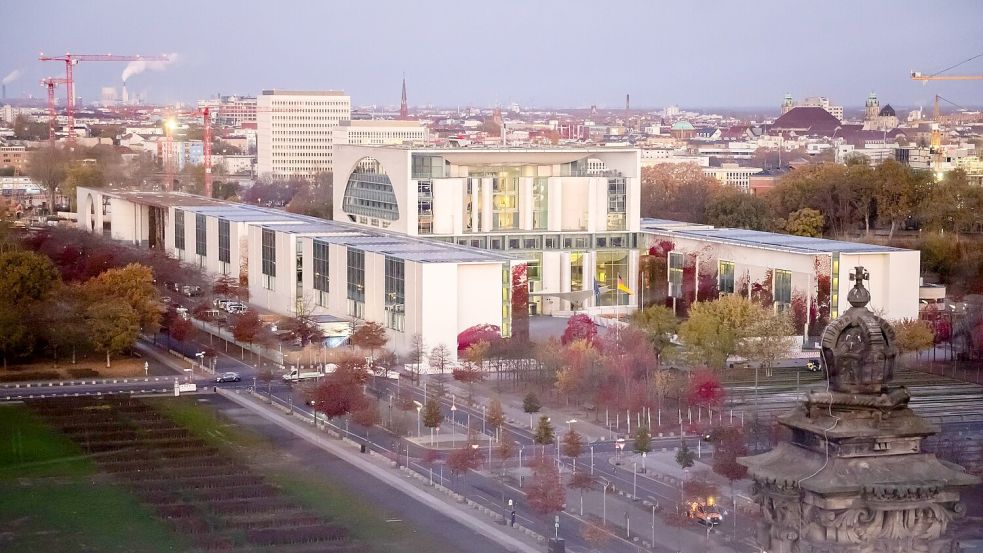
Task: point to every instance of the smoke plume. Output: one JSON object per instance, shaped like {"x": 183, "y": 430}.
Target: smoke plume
{"x": 12, "y": 76}
{"x": 137, "y": 67}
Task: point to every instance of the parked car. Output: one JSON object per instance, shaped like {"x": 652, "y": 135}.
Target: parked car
{"x": 228, "y": 377}
{"x": 815, "y": 364}
{"x": 191, "y": 291}
{"x": 183, "y": 313}
{"x": 236, "y": 308}
{"x": 221, "y": 303}
{"x": 165, "y": 300}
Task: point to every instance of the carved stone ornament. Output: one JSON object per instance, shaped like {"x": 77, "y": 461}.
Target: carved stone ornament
{"x": 853, "y": 477}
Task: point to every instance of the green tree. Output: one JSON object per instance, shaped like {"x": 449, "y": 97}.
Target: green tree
{"x": 530, "y": 403}
{"x": 713, "y": 329}
{"x": 26, "y": 276}
{"x": 431, "y": 414}
{"x": 660, "y": 324}
{"x": 805, "y": 222}
{"x": 685, "y": 457}
{"x": 133, "y": 283}
{"x": 16, "y": 336}
{"x": 952, "y": 205}
{"x": 64, "y": 321}
{"x": 913, "y": 335}
{"x": 679, "y": 191}
{"x": 113, "y": 326}
{"x": 643, "y": 440}
{"x": 572, "y": 445}
{"x": 544, "y": 434}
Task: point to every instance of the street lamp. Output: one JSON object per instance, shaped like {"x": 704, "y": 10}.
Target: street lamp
{"x": 592, "y": 458}
{"x": 569, "y": 422}
{"x": 620, "y": 445}
{"x": 419, "y": 408}
{"x": 201, "y": 362}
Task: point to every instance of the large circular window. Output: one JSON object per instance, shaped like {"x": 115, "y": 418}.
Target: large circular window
{"x": 369, "y": 192}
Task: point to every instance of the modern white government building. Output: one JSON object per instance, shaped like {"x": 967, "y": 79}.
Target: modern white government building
{"x": 427, "y": 241}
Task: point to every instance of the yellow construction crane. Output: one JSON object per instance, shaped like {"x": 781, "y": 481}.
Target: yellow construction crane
{"x": 938, "y": 76}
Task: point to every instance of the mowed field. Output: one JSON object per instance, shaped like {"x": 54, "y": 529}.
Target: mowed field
{"x": 53, "y": 498}
{"x": 168, "y": 474}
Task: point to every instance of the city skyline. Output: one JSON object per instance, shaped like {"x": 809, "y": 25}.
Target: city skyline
{"x": 725, "y": 55}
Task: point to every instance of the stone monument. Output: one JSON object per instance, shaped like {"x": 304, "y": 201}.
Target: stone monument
{"x": 853, "y": 477}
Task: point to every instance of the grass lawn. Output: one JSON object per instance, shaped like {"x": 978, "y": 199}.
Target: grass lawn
{"x": 337, "y": 501}
{"x": 51, "y": 498}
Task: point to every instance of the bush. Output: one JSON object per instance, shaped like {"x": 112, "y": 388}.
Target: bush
{"x": 83, "y": 373}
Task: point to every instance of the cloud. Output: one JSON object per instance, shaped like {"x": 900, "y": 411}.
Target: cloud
{"x": 137, "y": 67}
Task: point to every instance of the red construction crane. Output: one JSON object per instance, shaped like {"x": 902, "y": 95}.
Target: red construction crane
{"x": 72, "y": 59}
{"x": 50, "y": 84}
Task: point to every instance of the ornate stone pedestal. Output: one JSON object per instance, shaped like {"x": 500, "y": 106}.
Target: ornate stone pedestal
{"x": 853, "y": 478}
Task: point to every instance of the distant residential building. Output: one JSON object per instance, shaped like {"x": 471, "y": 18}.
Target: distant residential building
{"x": 236, "y": 164}
{"x": 14, "y": 156}
{"x": 380, "y": 132}
{"x": 760, "y": 183}
{"x": 295, "y": 131}
{"x": 236, "y": 110}
{"x": 732, "y": 174}
{"x": 914, "y": 157}
{"x": 181, "y": 153}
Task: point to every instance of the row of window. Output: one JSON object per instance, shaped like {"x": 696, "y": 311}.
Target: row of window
{"x": 547, "y": 241}
{"x": 781, "y": 280}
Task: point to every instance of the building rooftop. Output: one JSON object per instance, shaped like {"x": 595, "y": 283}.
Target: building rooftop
{"x": 275, "y": 92}
{"x": 760, "y": 239}
{"x": 814, "y": 120}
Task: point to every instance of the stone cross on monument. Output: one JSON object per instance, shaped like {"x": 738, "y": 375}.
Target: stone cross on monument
{"x": 853, "y": 478}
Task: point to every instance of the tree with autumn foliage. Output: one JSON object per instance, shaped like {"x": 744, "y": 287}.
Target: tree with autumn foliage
{"x": 583, "y": 481}
{"x": 465, "y": 458}
{"x": 369, "y": 335}
{"x": 340, "y": 392}
{"x": 496, "y": 415}
{"x": 471, "y": 371}
{"x": 729, "y": 444}
{"x": 705, "y": 389}
{"x": 572, "y": 444}
{"x": 913, "y": 335}
{"x": 544, "y": 434}
{"x": 579, "y": 327}
{"x": 134, "y": 284}
{"x": 545, "y": 492}
{"x": 246, "y": 327}
{"x": 478, "y": 333}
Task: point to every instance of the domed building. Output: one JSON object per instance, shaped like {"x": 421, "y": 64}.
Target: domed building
{"x": 682, "y": 130}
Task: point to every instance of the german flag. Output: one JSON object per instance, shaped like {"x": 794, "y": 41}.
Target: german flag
{"x": 622, "y": 287}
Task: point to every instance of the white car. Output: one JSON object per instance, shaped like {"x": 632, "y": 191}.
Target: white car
{"x": 236, "y": 307}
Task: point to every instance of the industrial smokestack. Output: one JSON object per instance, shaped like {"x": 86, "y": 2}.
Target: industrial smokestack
{"x": 4, "y": 92}
{"x": 126, "y": 96}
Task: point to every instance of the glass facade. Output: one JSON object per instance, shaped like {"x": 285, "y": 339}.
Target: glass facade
{"x": 425, "y": 206}
{"x": 612, "y": 265}
{"x": 783, "y": 289}
{"x": 224, "y": 242}
{"x": 321, "y": 267}
{"x": 505, "y": 203}
{"x": 178, "y": 229}
{"x": 395, "y": 293}
{"x": 577, "y": 271}
{"x": 428, "y": 166}
{"x": 268, "y": 258}
{"x": 834, "y": 287}
{"x": 725, "y": 277}
{"x": 356, "y": 282}
{"x": 200, "y": 242}
{"x": 675, "y": 275}
{"x": 617, "y": 203}
{"x": 370, "y": 194}
{"x": 540, "y": 203}
{"x": 472, "y": 206}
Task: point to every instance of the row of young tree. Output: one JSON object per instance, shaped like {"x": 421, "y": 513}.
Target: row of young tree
{"x": 821, "y": 199}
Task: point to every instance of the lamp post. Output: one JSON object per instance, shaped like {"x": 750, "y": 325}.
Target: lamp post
{"x": 419, "y": 408}
{"x": 453, "y": 422}
{"x": 634, "y": 481}
{"x": 569, "y": 422}
{"x": 592, "y": 458}
{"x": 521, "y": 447}
{"x": 201, "y": 362}
{"x": 620, "y": 445}
{"x": 483, "y": 431}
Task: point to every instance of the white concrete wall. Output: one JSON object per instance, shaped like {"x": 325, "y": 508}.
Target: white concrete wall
{"x": 893, "y": 282}
{"x": 396, "y": 163}
{"x": 438, "y": 309}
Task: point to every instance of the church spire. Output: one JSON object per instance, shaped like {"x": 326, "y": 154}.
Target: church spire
{"x": 404, "y": 109}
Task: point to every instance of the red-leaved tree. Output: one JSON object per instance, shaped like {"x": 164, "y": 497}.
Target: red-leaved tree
{"x": 705, "y": 389}
{"x": 478, "y": 333}
{"x": 545, "y": 491}
{"x": 579, "y": 327}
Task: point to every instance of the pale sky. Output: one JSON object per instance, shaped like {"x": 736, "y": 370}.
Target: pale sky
{"x": 568, "y": 53}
